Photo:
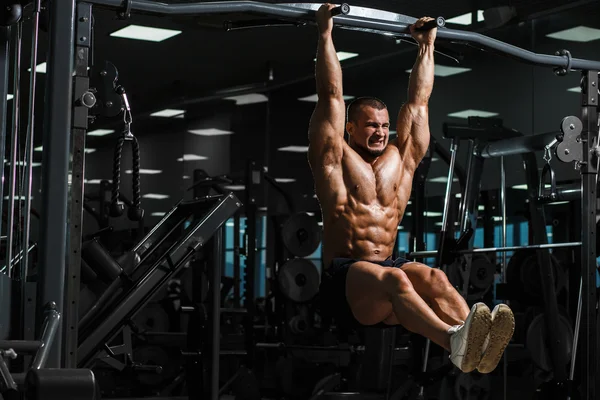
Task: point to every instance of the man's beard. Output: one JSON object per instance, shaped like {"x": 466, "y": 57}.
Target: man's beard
{"x": 373, "y": 152}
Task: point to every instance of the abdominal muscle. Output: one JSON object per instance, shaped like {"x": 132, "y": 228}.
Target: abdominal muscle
{"x": 363, "y": 232}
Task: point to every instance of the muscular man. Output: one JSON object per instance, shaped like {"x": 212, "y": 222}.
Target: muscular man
{"x": 363, "y": 186}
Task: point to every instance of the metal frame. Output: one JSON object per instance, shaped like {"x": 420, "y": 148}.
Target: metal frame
{"x": 58, "y": 115}
{"x": 108, "y": 320}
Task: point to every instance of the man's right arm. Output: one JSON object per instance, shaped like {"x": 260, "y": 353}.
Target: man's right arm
{"x": 326, "y": 131}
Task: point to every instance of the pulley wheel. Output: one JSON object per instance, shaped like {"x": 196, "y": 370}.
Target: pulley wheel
{"x": 299, "y": 280}
{"x": 301, "y": 234}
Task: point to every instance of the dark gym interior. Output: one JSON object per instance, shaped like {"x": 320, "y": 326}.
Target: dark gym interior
{"x": 161, "y": 236}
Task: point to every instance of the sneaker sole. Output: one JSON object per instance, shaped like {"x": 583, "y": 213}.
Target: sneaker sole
{"x": 501, "y": 332}
{"x": 478, "y": 331}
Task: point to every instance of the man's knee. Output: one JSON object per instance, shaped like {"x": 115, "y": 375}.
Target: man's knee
{"x": 396, "y": 281}
{"x": 438, "y": 281}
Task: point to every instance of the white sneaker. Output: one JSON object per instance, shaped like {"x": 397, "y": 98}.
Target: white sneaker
{"x": 466, "y": 340}
{"x": 503, "y": 327}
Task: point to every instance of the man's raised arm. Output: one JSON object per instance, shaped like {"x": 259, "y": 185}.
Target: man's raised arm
{"x": 413, "y": 119}
{"x": 326, "y": 131}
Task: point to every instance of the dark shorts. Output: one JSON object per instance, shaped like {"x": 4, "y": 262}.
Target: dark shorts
{"x": 332, "y": 291}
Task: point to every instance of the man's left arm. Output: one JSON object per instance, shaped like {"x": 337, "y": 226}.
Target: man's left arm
{"x": 413, "y": 118}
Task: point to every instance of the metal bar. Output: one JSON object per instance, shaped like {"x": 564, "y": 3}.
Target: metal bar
{"x": 14, "y": 145}
{"x": 217, "y": 259}
{"x": 503, "y": 270}
{"x": 576, "y": 336}
{"x": 30, "y": 136}
{"x": 348, "y": 21}
{"x": 253, "y": 181}
{"x": 568, "y": 192}
{"x": 447, "y": 201}
{"x": 21, "y": 346}
{"x": 459, "y": 172}
{"x": 517, "y": 145}
{"x": 589, "y": 176}
{"x": 236, "y": 260}
{"x": 78, "y": 131}
{"x": 50, "y": 329}
{"x": 56, "y": 139}
{"x": 433, "y": 253}
{"x": 4, "y": 73}
{"x": 463, "y": 203}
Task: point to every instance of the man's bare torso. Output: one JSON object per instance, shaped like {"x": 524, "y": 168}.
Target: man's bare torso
{"x": 362, "y": 204}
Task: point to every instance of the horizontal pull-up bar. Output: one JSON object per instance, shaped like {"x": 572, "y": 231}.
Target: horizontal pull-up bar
{"x": 433, "y": 253}
{"x": 385, "y": 26}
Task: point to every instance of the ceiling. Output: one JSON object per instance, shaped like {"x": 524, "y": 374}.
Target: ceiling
{"x": 195, "y": 67}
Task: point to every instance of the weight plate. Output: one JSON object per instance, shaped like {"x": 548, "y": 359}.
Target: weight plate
{"x": 482, "y": 272}
{"x": 536, "y": 340}
{"x": 298, "y": 325}
{"x": 472, "y": 387}
{"x": 301, "y": 234}
{"x": 523, "y": 275}
{"x": 152, "y": 318}
{"x": 299, "y": 280}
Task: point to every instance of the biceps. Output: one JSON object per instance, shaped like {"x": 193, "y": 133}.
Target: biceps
{"x": 327, "y": 119}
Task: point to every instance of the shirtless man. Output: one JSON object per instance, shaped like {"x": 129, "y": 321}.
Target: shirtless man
{"x": 363, "y": 186}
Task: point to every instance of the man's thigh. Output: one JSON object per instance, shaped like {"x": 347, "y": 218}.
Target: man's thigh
{"x": 367, "y": 294}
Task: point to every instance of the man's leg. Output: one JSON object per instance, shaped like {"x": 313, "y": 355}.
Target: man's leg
{"x": 375, "y": 293}
{"x": 379, "y": 294}
{"x": 433, "y": 286}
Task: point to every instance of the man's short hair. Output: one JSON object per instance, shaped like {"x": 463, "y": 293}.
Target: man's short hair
{"x": 356, "y": 104}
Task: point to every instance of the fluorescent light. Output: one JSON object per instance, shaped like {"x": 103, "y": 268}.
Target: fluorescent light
{"x": 146, "y": 171}
{"x": 434, "y": 159}
{"x": 472, "y": 113}
{"x": 139, "y": 32}
{"x": 168, "y": 112}
{"x": 441, "y": 179}
{"x": 432, "y": 214}
{"x": 458, "y": 195}
{"x": 251, "y": 98}
{"x": 400, "y": 227}
{"x": 155, "y": 196}
{"x": 18, "y": 197}
{"x": 285, "y": 180}
{"x": 89, "y": 151}
{"x": 576, "y": 89}
{"x": 95, "y": 181}
{"x": 210, "y": 132}
{"x": 481, "y": 207}
{"x": 294, "y": 149}
{"x": 524, "y": 186}
{"x": 313, "y": 98}
{"x": 312, "y": 214}
{"x": 191, "y": 157}
{"x": 577, "y": 34}
{"x": 262, "y": 209}
{"x": 443, "y": 70}
{"x": 231, "y": 224}
{"x": 558, "y": 202}
{"x": 40, "y": 68}
{"x": 315, "y": 196}
{"x": 9, "y": 97}
{"x": 101, "y": 132}
{"x": 409, "y": 202}
{"x": 39, "y": 148}
{"x": 320, "y": 223}
{"x": 466, "y": 19}
{"x": 408, "y": 214}
{"x": 186, "y": 177}
{"x": 158, "y": 214}
{"x": 234, "y": 187}
{"x": 497, "y": 218}
{"x": 22, "y": 164}
{"x": 180, "y": 116}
